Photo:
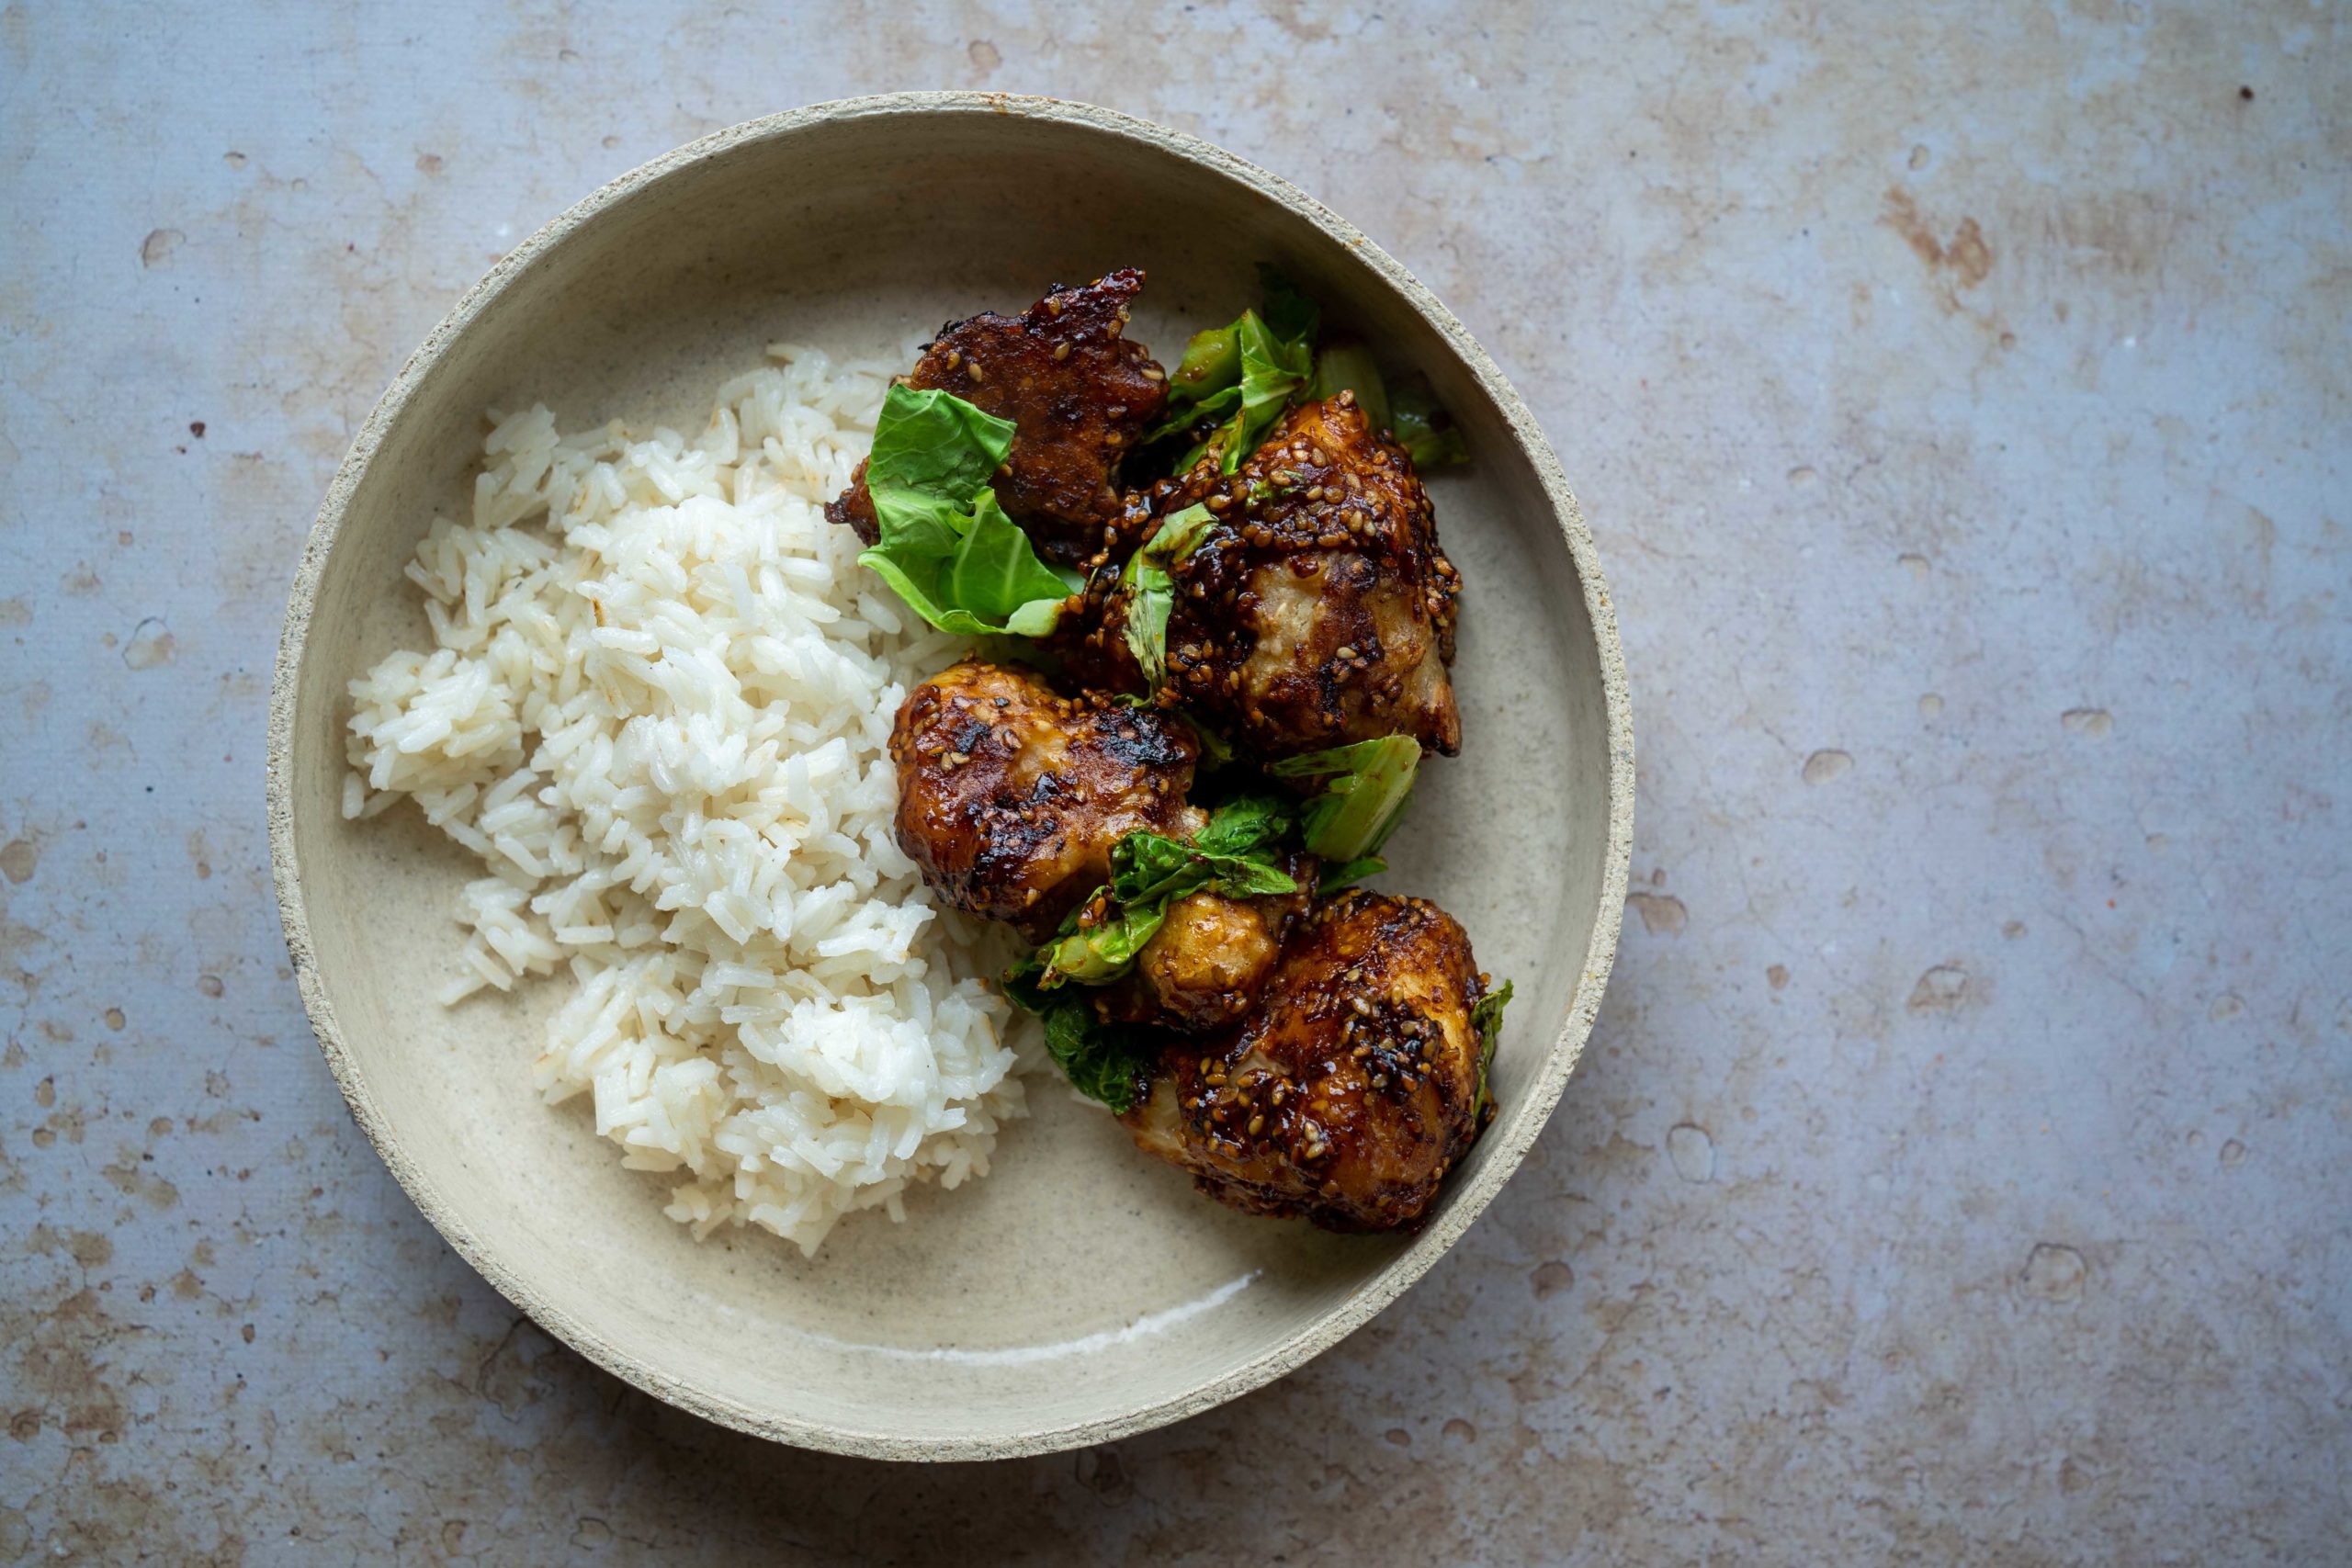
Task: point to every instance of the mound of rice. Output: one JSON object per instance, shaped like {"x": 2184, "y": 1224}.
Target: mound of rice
{"x": 657, "y": 708}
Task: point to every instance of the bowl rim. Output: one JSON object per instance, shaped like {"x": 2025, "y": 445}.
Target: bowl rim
{"x": 1517, "y": 1129}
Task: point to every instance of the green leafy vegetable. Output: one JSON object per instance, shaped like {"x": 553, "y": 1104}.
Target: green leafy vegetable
{"x": 1024, "y": 982}
{"x": 1184, "y": 416}
{"x": 1236, "y": 852}
{"x": 1368, "y": 785}
{"x": 931, "y": 450}
{"x": 947, "y": 548}
{"x": 1212, "y": 362}
{"x": 1145, "y": 867}
{"x": 1150, "y": 870}
{"x": 1245, "y": 825}
{"x": 1349, "y": 367}
{"x": 1486, "y": 1018}
{"x": 1097, "y": 954}
{"x": 1242, "y": 375}
{"x": 1411, "y": 412}
{"x": 1149, "y": 577}
{"x": 1101, "y": 1063}
{"x": 1099, "y": 1060}
{"x": 1233, "y": 854}
{"x": 1425, "y": 430}
{"x": 1290, "y": 313}
{"x": 1272, "y": 367}
{"x": 995, "y": 574}
{"x": 1335, "y": 877}
{"x": 1216, "y": 749}
{"x": 1235, "y": 380}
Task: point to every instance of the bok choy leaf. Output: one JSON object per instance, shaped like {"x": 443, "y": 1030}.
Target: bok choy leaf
{"x": 1101, "y": 1061}
{"x": 1098, "y": 955}
{"x": 1425, "y": 430}
{"x": 1242, "y": 375}
{"x": 1238, "y": 854}
{"x": 1486, "y": 1018}
{"x": 1336, "y": 877}
{"x": 1152, "y": 585}
{"x": 1349, "y": 367}
{"x": 1364, "y": 790}
{"x": 946, "y": 546}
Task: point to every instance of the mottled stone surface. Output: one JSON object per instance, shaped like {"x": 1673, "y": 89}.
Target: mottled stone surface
{"x": 1959, "y": 397}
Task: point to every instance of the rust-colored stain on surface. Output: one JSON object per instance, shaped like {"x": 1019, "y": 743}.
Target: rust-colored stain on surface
{"x": 1965, "y": 255}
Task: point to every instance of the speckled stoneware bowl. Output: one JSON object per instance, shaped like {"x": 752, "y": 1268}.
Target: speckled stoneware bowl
{"x": 1081, "y": 1292}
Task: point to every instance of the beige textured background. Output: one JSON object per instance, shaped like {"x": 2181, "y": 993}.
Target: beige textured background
{"x": 1959, "y": 395}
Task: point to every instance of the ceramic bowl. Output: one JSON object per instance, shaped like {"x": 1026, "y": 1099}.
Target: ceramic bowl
{"x": 1081, "y": 1292}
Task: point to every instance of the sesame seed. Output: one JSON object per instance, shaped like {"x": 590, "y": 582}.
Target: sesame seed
{"x": 1061, "y": 349}
{"x": 1154, "y": 373}
{"x": 972, "y": 369}
{"x": 1256, "y": 1125}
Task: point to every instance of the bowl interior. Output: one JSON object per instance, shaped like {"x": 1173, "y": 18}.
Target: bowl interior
{"x": 1081, "y": 1289}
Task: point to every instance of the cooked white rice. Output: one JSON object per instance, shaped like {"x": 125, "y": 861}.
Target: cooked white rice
{"x": 657, "y": 708}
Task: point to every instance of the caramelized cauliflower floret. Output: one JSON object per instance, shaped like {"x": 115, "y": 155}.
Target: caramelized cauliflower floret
{"x": 1010, "y": 797}
{"x": 1353, "y": 1085}
{"x": 1319, "y": 611}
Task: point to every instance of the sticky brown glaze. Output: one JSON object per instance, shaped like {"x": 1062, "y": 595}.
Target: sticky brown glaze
{"x": 1090, "y": 641}
{"x": 1350, "y": 1089}
{"x": 1203, "y": 967}
{"x": 1078, "y": 393}
{"x": 1011, "y": 796}
{"x": 1320, "y": 611}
